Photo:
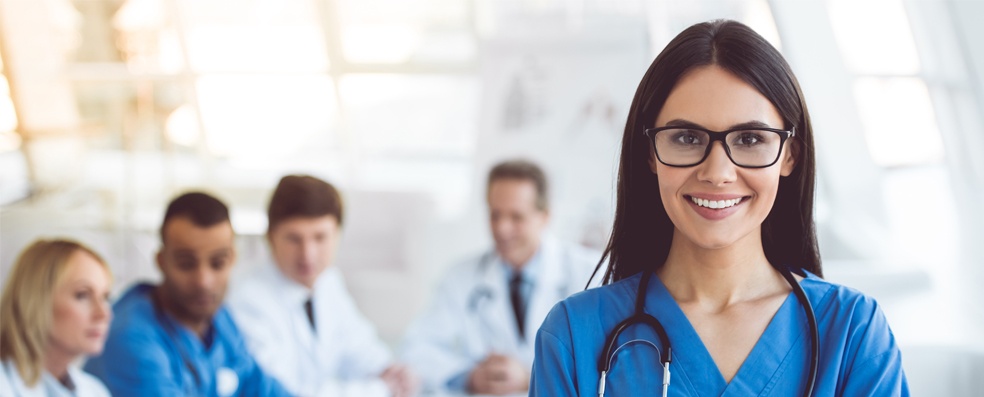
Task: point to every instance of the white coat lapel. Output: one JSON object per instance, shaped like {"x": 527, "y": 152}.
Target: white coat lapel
{"x": 549, "y": 288}
{"x": 497, "y": 319}
{"x": 324, "y": 349}
{"x": 17, "y": 383}
{"x": 304, "y": 349}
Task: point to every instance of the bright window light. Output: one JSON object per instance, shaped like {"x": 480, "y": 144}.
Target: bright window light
{"x": 874, "y": 36}
{"x": 254, "y": 36}
{"x": 281, "y": 36}
{"x": 257, "y": 48}
{"x": 264, "y": 116}
{"x": 8, "y": 118}
{"x": 420, "y": 114}
{"x": 396, "y": 31}
{"x": 182, "y": 126}
{"x": 758, "y": 16}
{"x": 380, "y": 43}
{"x": 899, "y": 121}
{"x": 9, "y": 141}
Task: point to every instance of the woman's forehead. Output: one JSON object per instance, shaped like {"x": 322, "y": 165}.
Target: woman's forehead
{"x": 714, "y": 98}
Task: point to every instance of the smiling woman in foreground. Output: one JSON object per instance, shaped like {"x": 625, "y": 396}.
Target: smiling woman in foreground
{"x": 714, "y": 284}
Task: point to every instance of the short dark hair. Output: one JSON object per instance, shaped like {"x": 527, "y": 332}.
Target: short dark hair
{"x": 303, "y": 196}
{"x": 642, "y": 231}
{"x": 523, "y": 170}
{"x": 200, "y": 208}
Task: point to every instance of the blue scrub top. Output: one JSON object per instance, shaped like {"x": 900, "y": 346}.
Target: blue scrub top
{"x": 148, "y": 353}
{"x": 858, "y": 354}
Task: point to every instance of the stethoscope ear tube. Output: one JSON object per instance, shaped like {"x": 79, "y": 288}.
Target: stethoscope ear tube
{"x": 811, "y": 320}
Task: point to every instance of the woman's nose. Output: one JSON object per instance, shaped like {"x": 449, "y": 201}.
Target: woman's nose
{"x": 717, "y": 168}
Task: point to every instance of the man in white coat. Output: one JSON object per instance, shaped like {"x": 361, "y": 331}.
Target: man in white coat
{"x": 297, "y": 316}
{"x": 478, "y": 334}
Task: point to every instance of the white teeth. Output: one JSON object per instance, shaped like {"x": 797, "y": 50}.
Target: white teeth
{"x": 718, "y": 204}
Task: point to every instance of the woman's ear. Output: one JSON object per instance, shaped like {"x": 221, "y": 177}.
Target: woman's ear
{"x": 652, "y": 159}
{"x": 789, "y": 157}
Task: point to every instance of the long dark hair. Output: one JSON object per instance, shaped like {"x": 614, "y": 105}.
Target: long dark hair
{"x": 642, "y": 231}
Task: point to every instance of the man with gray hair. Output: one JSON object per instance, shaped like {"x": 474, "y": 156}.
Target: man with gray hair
{"x": 477, "y": 335}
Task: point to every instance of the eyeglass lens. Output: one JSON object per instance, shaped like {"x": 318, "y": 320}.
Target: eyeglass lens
{"x": 751, "y": 148}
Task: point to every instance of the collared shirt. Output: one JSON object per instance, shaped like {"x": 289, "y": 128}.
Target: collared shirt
{"x": 149, "y": 353}
{"x": 529, "y": 273}
{"x": 81, "y": 384}
{"x": 340, "y": 355}
{"x": 470, "y": 314}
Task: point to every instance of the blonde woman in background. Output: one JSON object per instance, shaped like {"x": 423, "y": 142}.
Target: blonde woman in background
{"x": 55, "y": 309}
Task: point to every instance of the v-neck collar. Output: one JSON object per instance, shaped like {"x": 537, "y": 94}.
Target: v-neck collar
{"x": 692, "y": 362}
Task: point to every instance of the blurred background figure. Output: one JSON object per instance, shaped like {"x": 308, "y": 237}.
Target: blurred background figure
{"x": 176, "y": 337}
{"x": 477, "y": 335}
{"x": 54, "y": 310}
{"x": 108, "y": 108}
{"x": 296, "y": 314}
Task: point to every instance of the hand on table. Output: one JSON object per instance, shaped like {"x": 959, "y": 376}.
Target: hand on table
{"x": 499, "y": 375}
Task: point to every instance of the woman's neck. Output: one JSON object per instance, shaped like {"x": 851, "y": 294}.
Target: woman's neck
{"x": 718, "y": 278}
{"x": 56, "y": 362}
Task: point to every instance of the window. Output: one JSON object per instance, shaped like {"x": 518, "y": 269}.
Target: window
{"x": 10, "y": 141}
{"x": 892, "y": 97}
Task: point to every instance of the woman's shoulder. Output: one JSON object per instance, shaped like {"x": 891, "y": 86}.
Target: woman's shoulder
{"x": 823, "y": 293}
{"x": 853, "y": 324}
{"x": 839, "y": 307}
{"x": 88, "y": 385}
{"x": 7, "y": 374}
{"x": 593, "y": 303}
{"x": 604, "y": 295}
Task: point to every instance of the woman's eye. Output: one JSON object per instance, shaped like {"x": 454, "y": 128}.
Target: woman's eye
{"x": 81, "y": 295}
{"x": 748, "y": 139}
{"x": 688, "y": 138}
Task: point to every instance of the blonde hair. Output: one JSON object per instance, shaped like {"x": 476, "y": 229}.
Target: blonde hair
{"x": 27, "y": 305}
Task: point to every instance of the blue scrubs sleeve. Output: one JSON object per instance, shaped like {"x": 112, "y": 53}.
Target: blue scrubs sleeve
{"x": 134, "y": 364}
{"x": 553, "y": 368}
{"x": 877, "y": 368}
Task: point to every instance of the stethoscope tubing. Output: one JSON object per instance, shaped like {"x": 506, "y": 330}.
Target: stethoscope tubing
{"x": 811, "y": 320}
{"x": 640, "y": 317}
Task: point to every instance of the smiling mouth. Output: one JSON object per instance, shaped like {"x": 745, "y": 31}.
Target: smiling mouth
{"x": 716, "y": 204}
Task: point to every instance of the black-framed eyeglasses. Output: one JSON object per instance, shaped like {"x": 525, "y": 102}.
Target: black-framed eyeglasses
{"x": 746, "y": 147}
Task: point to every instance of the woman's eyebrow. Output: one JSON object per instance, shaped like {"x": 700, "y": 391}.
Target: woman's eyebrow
{"x": 80, "y": 284}
{"x": 690, "y": 124}
{"x": 683, "y": 123}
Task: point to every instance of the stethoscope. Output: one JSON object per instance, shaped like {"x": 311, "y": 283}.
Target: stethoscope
{"x": 227, "y": 381}
{"x": 172, "y": 333}
{"x": 665, "y": 356}
{"x": 482, "y": 293}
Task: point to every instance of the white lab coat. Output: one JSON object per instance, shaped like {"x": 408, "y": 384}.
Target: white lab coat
{"x": 344, "y": 357}
{"x": 12, "y": 385}
{"x": 471, "y": 313}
